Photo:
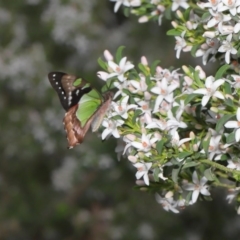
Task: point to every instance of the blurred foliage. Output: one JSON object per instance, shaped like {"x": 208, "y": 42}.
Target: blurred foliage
{"x": 48, "y": 192}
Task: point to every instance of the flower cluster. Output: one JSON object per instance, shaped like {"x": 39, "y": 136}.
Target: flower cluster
{"x": 180, "y": 130}
{"x": 217, "y": 24}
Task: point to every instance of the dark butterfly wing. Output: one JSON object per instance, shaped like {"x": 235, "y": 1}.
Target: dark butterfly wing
{"x": 68, "y": 93}
{"x": 75, "y": 132}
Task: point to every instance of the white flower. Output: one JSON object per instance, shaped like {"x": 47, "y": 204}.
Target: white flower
{"x": 210, "y": 90}
{"x": 121, "y": 107}
{"x": 143, "y": 169}
{"x": 157, "y": 123}
{"x": 197, "y": 187}
{"x": 145, "y": 143}
{"x": 230, "y": 5}
{"x": 176, "y": 142}
{"x": 228, "y": 48}
{"x": 120, "y": 87}
{"x": 167, "y": 202}
{"x": 140, "y": 86}
{"x": 179, "y": 3}
{"x": 174, "y": 123}
{"x": 210, "y": 4}
{"x": 213, "y": 148}
{"x": 144, "y": 106}
{"x": 159, "y": 11}
{"x": 103, "y": 75}
{"x": 164, "y": 91}
{"x": 236, "y": 78}
{"x": 111, "y": 127}
{"x": 208, "y": 49}
{"x": 180, "y": 44}
{"x": 119, "y": 70}
{"x": 127, "y": 3}
{"x": 234, "y": 164}
{"x": 233, "y": 193}
{"x": 236, "y": 125}
{"x": 217, "y": 18}
{"x": 225, "y": 29}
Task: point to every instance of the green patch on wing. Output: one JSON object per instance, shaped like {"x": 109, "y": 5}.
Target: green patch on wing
{"x": 77, "y": 82}
{"x": 87, "y": 106}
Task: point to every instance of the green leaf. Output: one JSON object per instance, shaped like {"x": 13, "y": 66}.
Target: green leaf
{"x": 159, "y": 146}
{"x": 119, "y": 53}
{"x": 108, "y": 86}
{"x": 136, "y": 115}
{"x": 209, "y": 174}
{"x": 194, "y": 49}
{"x": 227, "y": 88}
{"x": 183, "y": 155}
{"x": 222, "y": 121}
{"x": 190, "y": 164}
{"x": 231, "y": 138}
{"x": 175, "y": 173}
{"x": 126, "y": 12}
{"x": 102, "y": 64}
{"x": 174, "y": 32}
{"x": 190, "y": 97}
{"x": 153, "y": 66}
{"x": 221, "y": 71}
{"x": 143, "y": 69}
{"x": 156, "y": 171}
{"x": 205, "y": 144}
{"x": 205, "y": 16}
{"x": 187, "y": 13}
{"x": 229, "y": 102}
{"x": 168, "y": 13}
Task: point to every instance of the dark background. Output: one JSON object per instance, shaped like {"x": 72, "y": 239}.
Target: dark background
{"x": 49, "y": 192}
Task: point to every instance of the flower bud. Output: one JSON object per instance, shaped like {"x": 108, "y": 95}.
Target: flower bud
{"x": 143, "y": 19}
{"x": 108, "y": 56}
{"x": 174, "y": 24}
{"x": 209, "y": 34}
{"x": 144, "y": 61}
{"x": 186, "y": 69}
{"x": 169, "y": 194}
{"x": 179, "y": 14}
{"x": 132, "y": 159}
{"x": 202, "y": 74}
{"x": 192, "y": 135}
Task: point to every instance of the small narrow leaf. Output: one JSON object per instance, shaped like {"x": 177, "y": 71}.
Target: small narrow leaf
{"x": 183, "y": 155}
{"x": 190, "y": 97}
{"x": 136, "y": 115}
{"x": 209, "y": 174}
{"x": 175, "y": 173}
{"x": 194, "y": 50}
{"x": 205, "y": 144}
{"x": 159, "y": 146}
{"x": 222, "y": 121}
{"x": 102, "y": 64}
{"x": 174, "y": 32}
{"x": 190, "y": 164}
{"x": 153, "y": 67}
{"x": 156, "y": 171}
{"x": 230, "y": 138}
{"x": 221, "y": 71}
{"x": 119, "y": 53}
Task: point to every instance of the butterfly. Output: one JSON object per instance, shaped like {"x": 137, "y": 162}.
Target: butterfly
{"x": 84, "y": 105}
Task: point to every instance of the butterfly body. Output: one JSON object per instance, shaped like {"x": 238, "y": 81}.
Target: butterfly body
{"x": 84, "y": 105}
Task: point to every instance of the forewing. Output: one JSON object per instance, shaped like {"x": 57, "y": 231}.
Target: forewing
{"x": 69, "y": 88}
